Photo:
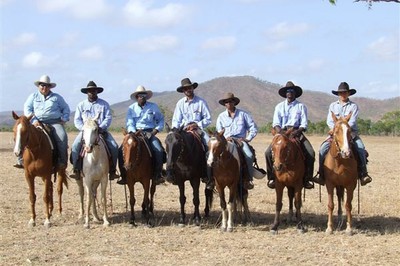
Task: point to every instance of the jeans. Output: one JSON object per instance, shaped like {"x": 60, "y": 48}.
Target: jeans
{"x": 61, "y": 139}
{"x": 157, "y": 150}
{"x": 249, "y": 157}
{"x": 110, "y": 142}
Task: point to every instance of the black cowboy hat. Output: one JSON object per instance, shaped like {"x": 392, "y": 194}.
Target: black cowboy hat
{"x": 344, "y": 87}
{"x": 290, "y": 85}
{"x": 92, "y": 85}
{"x": 186, "y": 83}
{"x": 228, "y": 97}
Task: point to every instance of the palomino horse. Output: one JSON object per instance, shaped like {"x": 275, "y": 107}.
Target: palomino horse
{"x": 36, "y": 148}
{"x": 224, "y": 158}
{"x": 139, "y": 168}
{"x": 186, "y": 160}
{"x": 340, "y": 171}
{"x": 95, "y": 168}
{"x": 289, "y": 169}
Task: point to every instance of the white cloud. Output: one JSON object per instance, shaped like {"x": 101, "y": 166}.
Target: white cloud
{"x": 24, "y": 39}
{"x": 139, "y": 13}
{"x": 88, "y": 9}
{"x": 284, "y": 30}
{"x": 225, "y": 43}
{"x": 384, "y": 49}
{"x": 37, "y": 60}
{"x": 92, "y": 53}
{"x": 155, "y": 43}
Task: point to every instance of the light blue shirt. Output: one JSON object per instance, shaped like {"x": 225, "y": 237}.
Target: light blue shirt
{"x": 241, "y": 125}
{"x": 86, "y": 109}
{"x": 292, "y": 114}
{"x": 148, "y": 117}
{"x": 342, "y": 111}
{"x": 49, "y": 110}
{"x": 188, "y": 111}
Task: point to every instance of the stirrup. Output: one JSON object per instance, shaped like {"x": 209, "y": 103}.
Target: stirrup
{"x": 317, "y": 179}
{"x": 271, "y": 184}
{"x": 365, "y": 180}
{"x": 308, "y": 184}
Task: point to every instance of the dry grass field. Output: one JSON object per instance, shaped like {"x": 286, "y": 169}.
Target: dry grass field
{"x": 376, "y": 239}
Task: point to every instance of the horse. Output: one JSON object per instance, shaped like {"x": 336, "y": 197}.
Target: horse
{"x": 186, "y": 161}
{"x": 36, "y": 147}
{"x": 340, "y": 171}
{"x": 95, "y": 168}
{"x": 137, "y": 161}
{"x": 224, "y": 158}
{"x": 289, "y": 169}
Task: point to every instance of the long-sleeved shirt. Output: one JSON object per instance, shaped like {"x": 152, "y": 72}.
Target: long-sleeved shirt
{"x": 86, "y": 109}
{"x": 147, "y": 117}
{"x": 49, "y": 110}
{"x": 341, "y": 111}
{"x": 241, "y": 125}
{"x": 292, "y": 114}
{"x": 188, "y": 111}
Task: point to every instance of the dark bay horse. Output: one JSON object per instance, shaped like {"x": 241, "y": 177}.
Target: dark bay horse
{"x": 289, "y": 169}
{"x": 186, "y": 161}
{"x": 35, "y": 146}
{"x": 224, "y": 158}
{"x": 139, "y": 168}
{"x": 340, "y": 171}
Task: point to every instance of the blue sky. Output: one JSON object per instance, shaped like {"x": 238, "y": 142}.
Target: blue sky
{"x": 123, "y": 44}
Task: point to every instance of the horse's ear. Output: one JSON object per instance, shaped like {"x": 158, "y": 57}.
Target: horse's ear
{"x": 167, "y": 127}
{"x": 273, "y": 131}
{"x": 221, "y": 133}
{"x": 347, "y": 118}
{"x": 124, "y": 132}
{"x": 289, "y": 131}
{"x": 97, "y": 117}
{"x": 209, "y": 132}
{"x": 14, "y": 115}
{"x": 334, "y": 117}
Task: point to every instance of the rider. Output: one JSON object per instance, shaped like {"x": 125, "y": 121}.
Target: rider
{"x": 145, "y": 116}
{"x": 239, "y": 125}
{"x": 292, "y": 114}
{"x": 341, "y": 108}
{"x": 192, "y": 110}
{"x": 90, "y": 108}
{"x": 50, "y": 108}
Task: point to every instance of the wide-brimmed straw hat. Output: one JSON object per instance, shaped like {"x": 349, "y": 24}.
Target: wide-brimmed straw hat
{"x": 290, "y": 85}
{"x": 46, "y": 80}
{"x": 229, "y": 97}
{"x": 186, "y": 83}
{"x": 92, "y": 85}
{"x": 139, "y": 90}
{"x": 344, "y": 87}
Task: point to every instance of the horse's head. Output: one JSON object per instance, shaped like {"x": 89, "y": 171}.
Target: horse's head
{"x": 281, "y": 150}
{"x": 130, "y": 149}
{"x": 174, "y": 147}
{"x": 90, "y": 134}
{"x": 216, "y": 146}
{"x": 21, "y": 132}
{"x": 342, "y": 135}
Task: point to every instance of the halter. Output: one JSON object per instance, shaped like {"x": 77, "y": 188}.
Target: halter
{"x": 338, "y": 150}
{"x": 289, "y": 150}
{"x": 137, "y": 157}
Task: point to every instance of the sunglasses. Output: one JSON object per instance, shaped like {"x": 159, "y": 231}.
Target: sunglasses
{"x": 141, "y": 95}
{"x": 44, "y": 85}
{"x": 290, "y": 91}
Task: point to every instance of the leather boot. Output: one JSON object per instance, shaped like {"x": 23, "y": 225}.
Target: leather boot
{"x": 308, "y": 183}
{"x": 76, "y": 174}
{"x": 210, "y": 183}
{"x": 365, "y": 178}
{"x": 113, "y": 175}
{"x": 271, "y": 183}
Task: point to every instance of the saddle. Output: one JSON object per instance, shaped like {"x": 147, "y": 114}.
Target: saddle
{"x": 239, "y": 145}
{"x": 146, "y": 137}
{"x": 48, "y": 130}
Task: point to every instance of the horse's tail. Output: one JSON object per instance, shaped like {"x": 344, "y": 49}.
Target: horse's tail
{"x": 61, "y": 178}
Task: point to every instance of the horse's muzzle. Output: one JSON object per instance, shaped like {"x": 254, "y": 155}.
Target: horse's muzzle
{"x": 278, "y": 168}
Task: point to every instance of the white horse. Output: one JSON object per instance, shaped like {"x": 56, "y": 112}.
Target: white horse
{"x": 95, "y": 169}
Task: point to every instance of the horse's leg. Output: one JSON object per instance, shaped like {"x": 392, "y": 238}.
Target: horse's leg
{"x": 89, "y": 199}
{"x": 331, "y": 205}
{"x": 182, "y": 201}
{"x": 222, "y": 201}
{"x": 297, "y": 203}
{"x": 349, "y": 192}
{"x": 81, "y": 194}
{"x": 104, "y": 183}
{"x": 278, "y": 207}
{"x": 340, "y": 195}
{"x": 146, "y": 202}
{"x": 93, "y": 191}
{"x": 208, "y": 196}
{"x": 60, "y": 181}
{"x": 247, "y": 216}
{"x": 47, "y": 200}
{"x": 132, "y": 201}
{"x": 291, "y": 196}
{"x": 230, "y": 207}
{"x": 32, "y": 198}
{"x": 152, "y": 192}
{"x": 196, "y": 201}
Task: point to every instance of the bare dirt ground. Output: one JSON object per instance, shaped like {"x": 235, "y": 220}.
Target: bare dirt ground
{"x": 376, "y": 240}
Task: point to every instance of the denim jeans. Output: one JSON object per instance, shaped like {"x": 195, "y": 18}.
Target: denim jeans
{"x": 61, "y": 139}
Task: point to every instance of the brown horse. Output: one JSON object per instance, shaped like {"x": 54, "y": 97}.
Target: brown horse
{"x": 224, "y": 158}
{"x": 340, "y": 171}
{"x": 35, "y": 146}
{"x": 139, "y": 167}
{"x": 289, "y": 169}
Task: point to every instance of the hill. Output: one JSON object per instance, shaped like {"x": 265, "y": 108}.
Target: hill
{"x": 256, "y": 96}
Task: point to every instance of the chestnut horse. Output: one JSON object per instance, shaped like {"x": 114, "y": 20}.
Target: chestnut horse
{"x": 137, "y": 161}
{"x": 289, "y": 169}
{"x": 224, "y": 158}
{"x": 36, "y": 147}
{"x": 340, "y": 171}
{"x": 186, "y": 161}
{"x": 95, "y": 167}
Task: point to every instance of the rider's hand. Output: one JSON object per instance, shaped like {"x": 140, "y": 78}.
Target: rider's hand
{"x": 154, "y": 132}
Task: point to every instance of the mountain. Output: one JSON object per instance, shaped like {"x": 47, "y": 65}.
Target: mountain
{"x": 256, "y": 96}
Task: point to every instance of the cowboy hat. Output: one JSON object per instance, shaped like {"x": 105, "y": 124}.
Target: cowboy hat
{"x": 139, "y": 90}
{"x": 344, "y": 87}
{"x": 92, "y": 85}
{"x": 290, "y": 85}
{"x": 46, "y": 80}
{"x": 259, "y": 173}
{"x": 186, "y": 83}
{"x": 228, "y": 97}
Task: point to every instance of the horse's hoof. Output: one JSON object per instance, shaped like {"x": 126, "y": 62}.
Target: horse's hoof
{"x": 223, "y": 229}
{"x": 181, "y": 225}
{"x": 329, "y": 231}
{"x": 106, "y": 224}
{"x": 47, "y": 224}
{"x": 229, "y": 230}
{"x": 274, "y": 232}
{"x": 349, "y": 232}
{"x": 86, "y": 226}
{"x": 31, "y": 223}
